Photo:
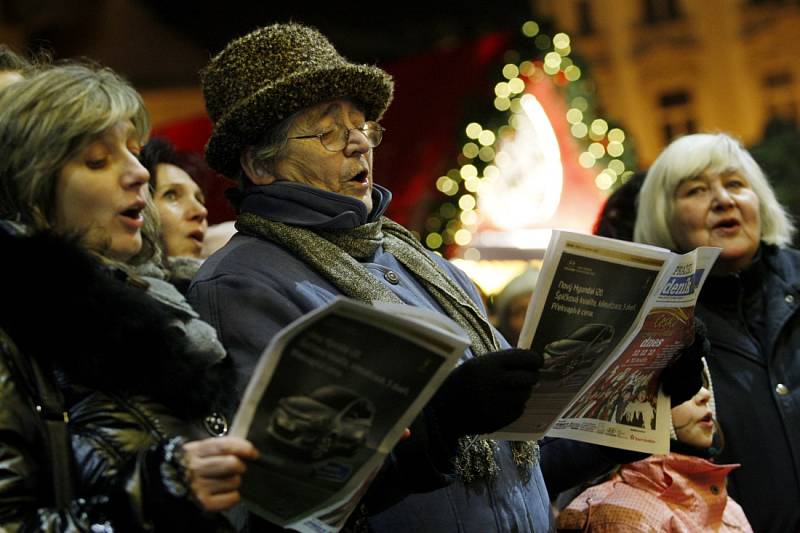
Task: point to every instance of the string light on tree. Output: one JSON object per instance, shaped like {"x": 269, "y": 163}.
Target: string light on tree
{"x": 485, "y": 154}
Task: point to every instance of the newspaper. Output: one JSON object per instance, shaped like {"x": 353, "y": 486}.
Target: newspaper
{"x": 608, "y": 316}
{"x": 331, "y": 395}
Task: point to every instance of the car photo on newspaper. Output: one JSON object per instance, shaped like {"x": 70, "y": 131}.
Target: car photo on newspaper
{"x": 329, "y": 421}
{"x": 578, "y": 350}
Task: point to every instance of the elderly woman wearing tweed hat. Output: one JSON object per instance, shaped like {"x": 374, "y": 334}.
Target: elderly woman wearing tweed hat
{"x": 296, "y": 124}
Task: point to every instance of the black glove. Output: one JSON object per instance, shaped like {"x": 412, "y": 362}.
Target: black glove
{"x": 486, "y": 393}
{"x": 684, "y": 377}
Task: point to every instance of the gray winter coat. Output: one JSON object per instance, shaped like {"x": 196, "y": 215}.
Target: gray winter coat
{"x": 252, "y": 288}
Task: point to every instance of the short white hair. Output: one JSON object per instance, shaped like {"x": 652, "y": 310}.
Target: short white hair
{"x": 688, "y": 157}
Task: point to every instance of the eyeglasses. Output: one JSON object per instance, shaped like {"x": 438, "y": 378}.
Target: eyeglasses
{"x": 336, "y": 139}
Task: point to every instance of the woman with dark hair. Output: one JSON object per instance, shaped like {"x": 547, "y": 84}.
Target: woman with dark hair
{"x": 111, "y": 386}
{"x": 178, "y": 198}
{"x": 180, "y": 207}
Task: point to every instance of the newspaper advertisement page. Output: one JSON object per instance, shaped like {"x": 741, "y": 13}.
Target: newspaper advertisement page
{"x": 590, "y": 294}
{"x": 624, "y": 407}
{"x": 330, "y": 397}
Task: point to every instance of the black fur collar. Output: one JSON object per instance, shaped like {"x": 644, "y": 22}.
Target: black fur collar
{"x": 63, "y": 307}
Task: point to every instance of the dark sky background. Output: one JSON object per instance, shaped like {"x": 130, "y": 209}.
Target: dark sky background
{"x": 377, "y": 31}
{"x": 165, "y": 42}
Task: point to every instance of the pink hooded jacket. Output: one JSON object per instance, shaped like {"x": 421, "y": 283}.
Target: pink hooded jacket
{"x": 664, "y": 493}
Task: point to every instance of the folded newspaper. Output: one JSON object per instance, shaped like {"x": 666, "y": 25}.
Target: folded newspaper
{"x": 608, "y": 316}
{"x": 331, "y": 395}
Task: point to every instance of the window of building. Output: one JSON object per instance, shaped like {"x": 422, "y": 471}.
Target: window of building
{"x": 677, "y": 114}
{"x": 656, "y": 11}
{"x": 779, "y": 95}
{"x": 584, "y": 14}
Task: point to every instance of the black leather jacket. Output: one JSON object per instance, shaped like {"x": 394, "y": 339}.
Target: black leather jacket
{"x": 123, "y": 482}
{"x": 119, "y": 357}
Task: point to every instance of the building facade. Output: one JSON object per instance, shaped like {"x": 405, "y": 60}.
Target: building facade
{"x": 663, "y": 68}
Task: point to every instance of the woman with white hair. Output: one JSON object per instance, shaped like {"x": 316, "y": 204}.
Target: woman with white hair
{"x": 705, "y": 189}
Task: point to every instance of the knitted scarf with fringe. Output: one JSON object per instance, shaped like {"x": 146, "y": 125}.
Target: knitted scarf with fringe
{"x": 335, "y": 254}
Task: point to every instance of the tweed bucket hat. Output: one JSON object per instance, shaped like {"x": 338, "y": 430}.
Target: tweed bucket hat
{"x": 267, "y": 75}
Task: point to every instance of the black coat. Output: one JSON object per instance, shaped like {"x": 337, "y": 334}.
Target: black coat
{"x": 754, "y": 328}
{"x": 131, "y": 381}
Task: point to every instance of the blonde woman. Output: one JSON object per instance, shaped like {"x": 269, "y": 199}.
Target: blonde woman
{"x": 140, "y": 380}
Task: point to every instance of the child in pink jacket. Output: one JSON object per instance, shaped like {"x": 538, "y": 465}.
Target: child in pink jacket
{"x": 681, "y": 492}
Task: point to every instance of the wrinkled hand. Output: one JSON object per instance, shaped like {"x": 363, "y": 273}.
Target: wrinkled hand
{"x": 215, "y": 467}
{"x": 486, "y": 393}
{"x": 681, "y": 380}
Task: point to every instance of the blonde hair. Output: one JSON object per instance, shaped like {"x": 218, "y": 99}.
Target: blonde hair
{"x": 45, "y": 121}
{"x": 688, "y": 157}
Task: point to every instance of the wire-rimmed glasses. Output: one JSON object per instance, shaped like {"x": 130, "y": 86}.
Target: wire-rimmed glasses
{"x": 336, "y": 139}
